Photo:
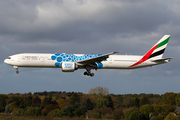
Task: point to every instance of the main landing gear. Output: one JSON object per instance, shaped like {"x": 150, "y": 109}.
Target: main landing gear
{"x": 17, "y": 71}
{"x": 88, "y": 72}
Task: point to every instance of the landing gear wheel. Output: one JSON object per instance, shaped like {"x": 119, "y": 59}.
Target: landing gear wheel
{"x": 92, "y": 74}
{"x": 88, "y": 74}
{"x": 85, "y": 73}
{"x": 17, "y": 71}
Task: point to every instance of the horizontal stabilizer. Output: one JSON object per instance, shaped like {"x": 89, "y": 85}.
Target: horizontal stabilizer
{"x": 161, "y": 60}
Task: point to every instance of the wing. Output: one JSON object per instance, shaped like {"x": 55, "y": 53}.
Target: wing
{"x": 93, "y": 61}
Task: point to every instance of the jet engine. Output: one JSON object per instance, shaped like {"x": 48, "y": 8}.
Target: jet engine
{"x": 69, "y": 67}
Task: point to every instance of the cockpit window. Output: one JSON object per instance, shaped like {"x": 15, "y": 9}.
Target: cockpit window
{"x": 9, "y": 57}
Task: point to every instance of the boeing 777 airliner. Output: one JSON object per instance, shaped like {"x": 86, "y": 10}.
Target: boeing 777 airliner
{"x": 72, "y": 62}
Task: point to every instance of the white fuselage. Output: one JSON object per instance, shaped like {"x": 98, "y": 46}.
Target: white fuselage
{"x": 45, "y": 60}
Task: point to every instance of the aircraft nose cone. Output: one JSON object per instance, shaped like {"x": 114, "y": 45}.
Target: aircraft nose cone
{"x": 5, "y": 61}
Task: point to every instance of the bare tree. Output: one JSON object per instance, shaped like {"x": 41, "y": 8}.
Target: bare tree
{"x": 99, "y": 91}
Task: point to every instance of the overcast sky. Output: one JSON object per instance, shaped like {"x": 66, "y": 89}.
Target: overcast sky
{"x": 89, "y": 26}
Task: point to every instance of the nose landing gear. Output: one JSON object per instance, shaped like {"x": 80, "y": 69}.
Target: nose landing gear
{"x": 17, "y": 71}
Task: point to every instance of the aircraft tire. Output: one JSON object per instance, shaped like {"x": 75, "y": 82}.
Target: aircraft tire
{"x": 88, "y": 74}
{"x": 85, "y": 73}
{"x": 92, "y": 74}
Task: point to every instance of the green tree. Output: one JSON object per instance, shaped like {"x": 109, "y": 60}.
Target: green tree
{"x": 101, "y": 102}
{"x": 8, "y": 110}
{"x": 75, "y": 98}
{"x": 157, "y": 108}
{"x": 137, "y": 102}
{"x": 12, "y": 106}
{"x": 89, "y": 104}
{"x": 104, "y": 102}
{"x": 126, "y": 100}
{"x": 28, "y": 100}
{"x": 36, "y": 101}
{"x": 46, "y": 101}
{"x": 144, "y": 100}
{"x": 171, "y": 117}
{"x": 109, "y": 101}
{"x": 132, "y": 114}
{"x": 166, "y": 109}
{"x": 169, "y": 98}
{"x": 3, "y": 99}
{"x": 80, "y": 111}
{"x": 177, "y": 99}
{"x": 29, "y": 111}
{"x": 55, "y": 113}
{"x": 32, "y": 111}
{"x": 146, "y": 108}
{"x": 67, "y": 111}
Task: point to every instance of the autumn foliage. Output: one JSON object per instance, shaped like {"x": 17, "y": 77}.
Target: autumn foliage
{"x": 97, "y": 104}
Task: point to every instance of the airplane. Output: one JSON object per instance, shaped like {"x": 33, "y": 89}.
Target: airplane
{"x": 72, "y": 62}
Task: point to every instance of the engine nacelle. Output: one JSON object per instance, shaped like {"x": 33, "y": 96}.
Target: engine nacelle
{"x": 69, "y": 67}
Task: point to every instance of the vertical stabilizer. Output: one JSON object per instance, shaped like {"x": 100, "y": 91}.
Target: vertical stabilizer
{"x": 160, "y": 47}
{"x": 156, "y": 52}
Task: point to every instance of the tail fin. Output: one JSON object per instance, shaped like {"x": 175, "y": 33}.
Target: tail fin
{"x": 159, "y": 48}
{"x": 156, "y": 52}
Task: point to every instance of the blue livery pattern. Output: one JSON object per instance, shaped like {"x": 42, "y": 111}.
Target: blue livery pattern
{"x": 73, "y": 58}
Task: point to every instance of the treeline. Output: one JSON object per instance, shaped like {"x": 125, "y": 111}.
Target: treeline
{"x": 98, "y": 104}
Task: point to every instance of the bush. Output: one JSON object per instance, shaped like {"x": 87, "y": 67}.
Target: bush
{"x": 32, "y": 111}
{"x": 29, "y": 111}
{"x": 170, "y": 117}
{"x": 105, "y": 110}
{"x": 8, "y": 110}
{"x": 118, "y": 113}
{"x": 94, "y": 114}
{"x": 132, "y": 114}
{"x": 107, "y": 116}
{"x": 55, "y": 113}
{"x": 12, "y": 106}
{"x": 156, "y": 118}
{"x": 18, "y": 112}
